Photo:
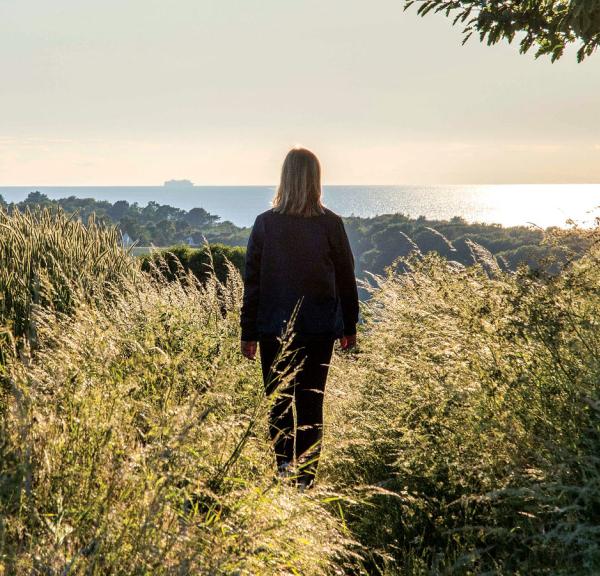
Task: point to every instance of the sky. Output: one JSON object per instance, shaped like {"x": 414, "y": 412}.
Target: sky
{"x": 136, "y": 92}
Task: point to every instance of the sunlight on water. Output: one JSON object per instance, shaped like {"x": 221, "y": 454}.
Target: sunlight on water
{"x": 509, "y": 205}
{"x": 541, "y": 205}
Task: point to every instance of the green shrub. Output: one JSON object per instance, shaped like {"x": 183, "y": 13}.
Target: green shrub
{"x": 202, "y": 262}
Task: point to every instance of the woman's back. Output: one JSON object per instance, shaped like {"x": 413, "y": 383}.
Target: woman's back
{"x": 299, "y": 260}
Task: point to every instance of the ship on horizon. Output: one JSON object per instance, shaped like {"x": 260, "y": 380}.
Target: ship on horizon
{"x": 178, "y": 183}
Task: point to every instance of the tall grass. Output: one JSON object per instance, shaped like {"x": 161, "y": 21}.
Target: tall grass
{"x": 133, "y": 444}
{"x": 46, "y": 257}
{"x": 461, "y": 437}
{"x": 471, "y": 418}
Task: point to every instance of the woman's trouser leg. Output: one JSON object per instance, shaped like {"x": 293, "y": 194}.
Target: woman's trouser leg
{"x": 306, "y": 390}
{"x": 281, "y": 416}
{"x": 309, "y": 395}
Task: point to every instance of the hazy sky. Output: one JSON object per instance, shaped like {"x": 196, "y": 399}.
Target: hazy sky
{"x": 140, "y": 91}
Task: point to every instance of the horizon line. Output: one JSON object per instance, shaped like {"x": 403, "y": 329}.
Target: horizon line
{"x": 194, "y": 185}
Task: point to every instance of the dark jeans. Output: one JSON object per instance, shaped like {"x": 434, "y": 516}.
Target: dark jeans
{"x": 303, "y": 394}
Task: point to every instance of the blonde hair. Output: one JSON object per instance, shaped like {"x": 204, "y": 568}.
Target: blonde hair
{"x": 299, "y": 191}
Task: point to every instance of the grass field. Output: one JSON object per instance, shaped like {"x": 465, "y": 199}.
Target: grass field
{"x": 462, "y": 436}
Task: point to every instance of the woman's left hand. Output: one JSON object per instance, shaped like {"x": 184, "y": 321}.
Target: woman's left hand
{"x": 348, "y": 342}
{"x": 248, "y": 349}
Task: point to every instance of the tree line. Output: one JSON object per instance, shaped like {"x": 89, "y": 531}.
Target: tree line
{"x": 154, "y": 224}
{"x": 377, "y": 242}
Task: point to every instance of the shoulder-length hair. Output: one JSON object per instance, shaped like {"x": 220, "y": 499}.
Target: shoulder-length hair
{"x": 299, "y": 191}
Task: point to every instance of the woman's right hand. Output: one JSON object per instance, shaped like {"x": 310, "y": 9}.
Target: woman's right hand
{"x": 248, "y": 349}
{"x": 348, "y": 342}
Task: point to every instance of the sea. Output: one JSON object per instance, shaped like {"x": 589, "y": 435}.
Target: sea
{"x": 540, "y": 205}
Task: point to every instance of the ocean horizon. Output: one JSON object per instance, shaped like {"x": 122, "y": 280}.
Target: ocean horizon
{"x": 540, "y": 205}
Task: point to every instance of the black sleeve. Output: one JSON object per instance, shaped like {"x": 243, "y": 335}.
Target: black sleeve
{"x": 345, "y": 278}
{"x": 252, "y": 283}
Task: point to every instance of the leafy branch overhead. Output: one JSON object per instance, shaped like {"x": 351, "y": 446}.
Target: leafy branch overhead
{"x": 547, "y": 25}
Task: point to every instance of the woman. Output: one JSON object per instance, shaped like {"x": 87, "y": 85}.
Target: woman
{"x": 299, "y": 278}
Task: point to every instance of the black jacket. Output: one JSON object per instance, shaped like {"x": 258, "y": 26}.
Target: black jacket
{"x": 305, "y": 260}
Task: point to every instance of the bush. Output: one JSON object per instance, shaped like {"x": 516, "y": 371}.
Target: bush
{"x": 202, "y": 262}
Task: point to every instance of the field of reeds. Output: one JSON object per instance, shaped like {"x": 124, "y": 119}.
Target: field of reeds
{"x": 462, "y": 436}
